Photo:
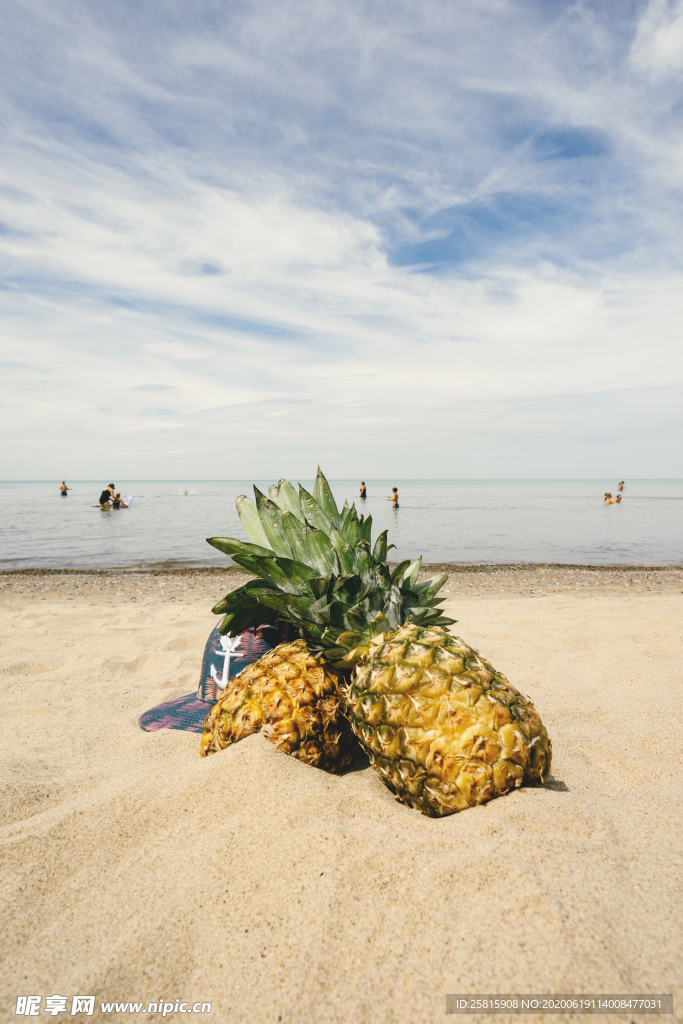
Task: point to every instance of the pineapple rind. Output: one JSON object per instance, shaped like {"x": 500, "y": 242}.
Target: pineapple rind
{"x": 297, "y": 697}
{"x": 443, "y": 728}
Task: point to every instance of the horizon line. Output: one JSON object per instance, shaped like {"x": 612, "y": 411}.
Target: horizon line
{"x": 346, "y": 480}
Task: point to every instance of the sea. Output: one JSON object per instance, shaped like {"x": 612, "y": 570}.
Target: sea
{"x": 456, "y": 521}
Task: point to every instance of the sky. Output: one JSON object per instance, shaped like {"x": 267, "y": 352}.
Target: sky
{"x": 426, "y": 239}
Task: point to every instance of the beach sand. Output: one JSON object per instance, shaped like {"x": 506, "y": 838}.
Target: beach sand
{"x": 133, "y": 870}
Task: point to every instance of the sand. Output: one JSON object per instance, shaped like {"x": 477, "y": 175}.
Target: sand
{"x": 133, "y": 870}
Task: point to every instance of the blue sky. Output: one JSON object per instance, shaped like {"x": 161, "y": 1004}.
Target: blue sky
{"x": 400, "y": 239}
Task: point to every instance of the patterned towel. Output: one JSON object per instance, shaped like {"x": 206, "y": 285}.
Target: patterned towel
{"x": 188, "y": 712}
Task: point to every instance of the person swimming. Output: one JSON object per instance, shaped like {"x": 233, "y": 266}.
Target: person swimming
{"x": 393, "y": 497}
{"x": 363, "y": 489}
{"x": 621, "y": 485}
{"x": 63, "y": 489}
{"x": 609, "y": 500}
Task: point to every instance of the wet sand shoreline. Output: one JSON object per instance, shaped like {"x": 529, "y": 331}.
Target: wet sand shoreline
{"x": 181, "y": 584}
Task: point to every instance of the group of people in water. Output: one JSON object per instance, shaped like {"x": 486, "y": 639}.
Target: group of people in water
{"x": 609, "y": 500}
{"x": 393, "y": 497}
{"x": 110, "y": 498}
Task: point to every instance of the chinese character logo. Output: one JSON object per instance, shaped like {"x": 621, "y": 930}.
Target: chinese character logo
{"x": 28, "y": 1006}
{"x": 82, "y": 1004}
{"x": 55, "y": 1005}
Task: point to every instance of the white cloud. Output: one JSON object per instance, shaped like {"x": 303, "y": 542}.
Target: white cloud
{"x": 231, "y": 213}
{"x": 658, "y": 44}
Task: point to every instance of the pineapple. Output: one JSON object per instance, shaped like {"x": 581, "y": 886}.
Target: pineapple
{"x": 296, "y": 697}
{"x": 444, "y": 730}
{"x": 294, "y": 690}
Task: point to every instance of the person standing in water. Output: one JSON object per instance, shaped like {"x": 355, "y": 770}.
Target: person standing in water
{"x": 363, "y": 489}
{"x": 621, "y": 485}
{"x": 63, "y": 489}
{"x": 393, "y": 497}
{"x": 107, "y": 496}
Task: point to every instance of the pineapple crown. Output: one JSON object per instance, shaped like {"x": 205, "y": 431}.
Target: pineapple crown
{"x": 315, "y": 567}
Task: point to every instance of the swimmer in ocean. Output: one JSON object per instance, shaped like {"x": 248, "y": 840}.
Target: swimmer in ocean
{"x": 393, "y": 497}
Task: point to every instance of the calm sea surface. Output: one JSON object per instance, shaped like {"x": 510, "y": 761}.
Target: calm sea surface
{"x": 470, "y": 521}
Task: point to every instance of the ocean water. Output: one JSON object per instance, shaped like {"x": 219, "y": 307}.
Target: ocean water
{"x": 466, "y": 521}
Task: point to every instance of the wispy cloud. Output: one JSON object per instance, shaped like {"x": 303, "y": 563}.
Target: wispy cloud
{"x": 658, "y": 45}
{"x": 371, "y": 235}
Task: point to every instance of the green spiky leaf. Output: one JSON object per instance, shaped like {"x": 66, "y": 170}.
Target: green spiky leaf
{"x": 344, "y": 552}
{"x": 247, "y": 594}
{"x": 411, "y": 574}
{"x": 325, "y": 499}
{"x": 337, "y": 590}
{"x": 313, "y": 514}
{"x": 322, "y": 552}
{"x": 364, "y": 563}
{"x": 399, "y": 570}
{"x": 287, "y": 573}
{"x": 320, "y": 585}
{"x": 289, "y": 500}
{"x": 249, "y": 517}
{"x": 295, "y": 533}
{"x": 379, "y": 552}
{"x": 428, "y": 588}
{"x": 249, "y": 563}
{"x": 231, "y": 546}
{"x": 366, "y": 529}
{"x": 271, "y": 520}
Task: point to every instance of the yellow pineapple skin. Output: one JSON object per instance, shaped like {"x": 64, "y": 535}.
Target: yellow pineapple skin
{"x": 444, "y": 730}
{"x": 293, "y": 694}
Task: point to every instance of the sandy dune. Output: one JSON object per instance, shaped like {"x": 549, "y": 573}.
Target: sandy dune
{"x": 134, "y": 871}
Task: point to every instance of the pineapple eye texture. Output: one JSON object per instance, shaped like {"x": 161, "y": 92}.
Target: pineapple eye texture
{"x": 298, "y": 697}
{"x": 450, "y": 731}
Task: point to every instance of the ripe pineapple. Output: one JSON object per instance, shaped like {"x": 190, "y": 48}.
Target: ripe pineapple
{"x": 441, "y": 726}
{"x": 294, "y": 689}
{"x": 297, "y": 696}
